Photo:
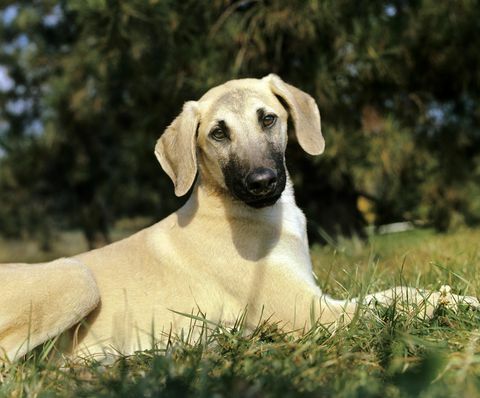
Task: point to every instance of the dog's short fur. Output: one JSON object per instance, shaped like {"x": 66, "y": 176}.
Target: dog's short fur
{"x": 238, "y": 243}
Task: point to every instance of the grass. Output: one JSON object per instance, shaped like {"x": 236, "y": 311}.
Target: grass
{"x": 392, "y": 355}
{"x": 65, "y": 244}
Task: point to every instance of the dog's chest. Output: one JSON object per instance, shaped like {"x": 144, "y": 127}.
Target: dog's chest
{"x": 232, "y": 246}
{"x": 219, "y": 266}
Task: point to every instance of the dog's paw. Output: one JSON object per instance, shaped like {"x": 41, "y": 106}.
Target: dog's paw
{"x": 452, "y": 301}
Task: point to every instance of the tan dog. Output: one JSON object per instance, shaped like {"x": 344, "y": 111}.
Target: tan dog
{"x": 239, "y": 242}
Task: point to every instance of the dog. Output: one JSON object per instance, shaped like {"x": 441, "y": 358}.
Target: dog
{"x": 238, "y": 245}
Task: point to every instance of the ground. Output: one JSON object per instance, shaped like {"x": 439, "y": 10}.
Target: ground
{"x": 387, "y": 355}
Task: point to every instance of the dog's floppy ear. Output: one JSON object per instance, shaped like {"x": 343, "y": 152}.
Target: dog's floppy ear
{"x": 304, "y": 112}
{"x": 176, "y": 149}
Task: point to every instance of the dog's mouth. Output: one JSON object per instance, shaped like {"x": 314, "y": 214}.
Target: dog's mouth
{"x": 239, "y": 192}
{"x": 257, "y": 187}
{"x": 263, "y": 202}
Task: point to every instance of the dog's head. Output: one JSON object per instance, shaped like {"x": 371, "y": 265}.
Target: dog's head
{"x": 236, "y": 136}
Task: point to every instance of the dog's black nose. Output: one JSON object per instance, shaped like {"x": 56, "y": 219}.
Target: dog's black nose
{"x": 261, "y": 181}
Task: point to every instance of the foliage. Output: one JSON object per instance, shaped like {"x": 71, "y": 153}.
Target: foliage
{"x": 96, "y": 82}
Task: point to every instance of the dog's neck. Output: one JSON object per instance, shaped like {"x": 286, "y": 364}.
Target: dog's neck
{"x": 228, "y": 217}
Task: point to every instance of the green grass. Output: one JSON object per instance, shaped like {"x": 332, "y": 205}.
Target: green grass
{"x": 64, "y": 244}
{"x": 392, "y": 355}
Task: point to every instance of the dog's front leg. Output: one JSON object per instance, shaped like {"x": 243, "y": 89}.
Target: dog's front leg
{"x": 39, "y": 301}
{"x": 419, "y": 302}
{"x": 331, "y": 313}
{"x": 318, "y": 310}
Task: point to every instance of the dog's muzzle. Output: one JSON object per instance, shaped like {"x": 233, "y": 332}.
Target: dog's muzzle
{"x": 261, "y": 187}
{"x": 261, "y": 182}
{"x": 258, "y": 187}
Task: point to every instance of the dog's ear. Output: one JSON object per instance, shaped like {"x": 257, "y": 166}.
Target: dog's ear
{"x": 304, "y": 112}
{"x": 176, "y": 149}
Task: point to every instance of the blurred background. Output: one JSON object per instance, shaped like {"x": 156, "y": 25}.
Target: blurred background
{"x": 87, "y": 87}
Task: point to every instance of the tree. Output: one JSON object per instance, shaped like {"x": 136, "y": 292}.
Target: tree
{"x": 95, "y": 83}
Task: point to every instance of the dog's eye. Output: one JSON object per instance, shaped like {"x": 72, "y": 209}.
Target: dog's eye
{"x": 218, "y": 134}
{"x": 269, "y": 120}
